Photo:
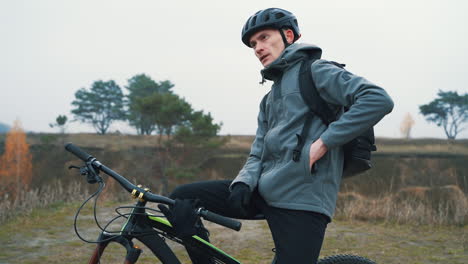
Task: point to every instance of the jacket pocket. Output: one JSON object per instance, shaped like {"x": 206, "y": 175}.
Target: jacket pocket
{"x": 271, "y": 145}
{"x": 305, "y": 158}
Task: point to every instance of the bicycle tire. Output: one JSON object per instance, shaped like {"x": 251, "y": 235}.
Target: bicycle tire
{"x": 195, "y": 243}
{"x": 345, "y": 259}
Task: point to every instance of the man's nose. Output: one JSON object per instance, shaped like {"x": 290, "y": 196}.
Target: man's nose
{"x": 258, "y": 48}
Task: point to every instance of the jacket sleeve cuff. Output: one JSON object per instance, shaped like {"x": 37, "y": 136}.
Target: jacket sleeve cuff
{"x": 327, "y": 140}
{"x": 249, "y": 174}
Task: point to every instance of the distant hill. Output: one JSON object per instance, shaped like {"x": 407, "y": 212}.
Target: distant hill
{"x": 4, "y": 128}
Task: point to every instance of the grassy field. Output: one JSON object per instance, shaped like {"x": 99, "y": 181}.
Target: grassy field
{"x": 47, "y": 236}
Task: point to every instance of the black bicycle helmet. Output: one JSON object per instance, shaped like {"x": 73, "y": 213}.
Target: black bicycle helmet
{"x": 270, "y": 18}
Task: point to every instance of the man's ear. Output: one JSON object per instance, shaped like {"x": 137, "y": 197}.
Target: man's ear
{"x": 289, "y": 34}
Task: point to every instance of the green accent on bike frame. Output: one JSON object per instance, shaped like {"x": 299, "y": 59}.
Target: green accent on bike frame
{"x": 160, "y": 220}
{"x": 126, "y": 223}
{"x": 165, "y": 222}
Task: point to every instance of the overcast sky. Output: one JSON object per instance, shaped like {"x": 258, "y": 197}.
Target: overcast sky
{"x": 51, "y": 48}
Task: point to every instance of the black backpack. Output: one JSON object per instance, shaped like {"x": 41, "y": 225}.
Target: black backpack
{"x": 357, "y": 152}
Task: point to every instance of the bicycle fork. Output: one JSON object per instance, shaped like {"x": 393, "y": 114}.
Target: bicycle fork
{"x": 133, "y": 252}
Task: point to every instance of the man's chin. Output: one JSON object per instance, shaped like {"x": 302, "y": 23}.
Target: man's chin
{"x": 266, "y": 63}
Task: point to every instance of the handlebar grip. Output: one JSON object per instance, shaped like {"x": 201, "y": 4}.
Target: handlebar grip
{"x": 221, "y": 220}
{"x": 78, "y": 152}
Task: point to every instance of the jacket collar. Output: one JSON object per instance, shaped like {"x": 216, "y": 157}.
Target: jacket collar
{"x": 288, "y": 57}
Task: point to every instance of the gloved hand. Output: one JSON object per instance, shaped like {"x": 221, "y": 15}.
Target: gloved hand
{"x": 240, "y": 196}
{"x": 182, "y": 216}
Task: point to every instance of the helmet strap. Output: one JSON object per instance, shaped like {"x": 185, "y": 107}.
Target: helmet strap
{"x": 286, "y": 44}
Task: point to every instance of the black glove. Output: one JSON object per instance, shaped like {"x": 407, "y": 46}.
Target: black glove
{"x": 239, "y": 199}
{"x": 182, "y": 216}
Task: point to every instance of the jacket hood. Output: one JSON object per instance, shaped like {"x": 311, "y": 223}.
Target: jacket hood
{"x": 290, "y": 55}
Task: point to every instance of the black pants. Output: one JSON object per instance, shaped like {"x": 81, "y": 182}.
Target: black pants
{"x": 297, "y": 235}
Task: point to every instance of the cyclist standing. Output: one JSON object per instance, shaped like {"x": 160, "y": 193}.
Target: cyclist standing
{"x": 297, "y": 198}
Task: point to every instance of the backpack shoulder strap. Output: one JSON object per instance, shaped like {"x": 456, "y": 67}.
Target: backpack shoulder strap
{"x": 310, "y": 95}
{"x": 317, "y": 106}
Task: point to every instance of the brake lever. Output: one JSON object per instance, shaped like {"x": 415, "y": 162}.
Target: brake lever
{"x": 83, "y": 170}
{"x": 88, "y": 170}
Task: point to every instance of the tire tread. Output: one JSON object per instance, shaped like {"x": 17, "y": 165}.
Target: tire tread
{"x": 345, "y": 259}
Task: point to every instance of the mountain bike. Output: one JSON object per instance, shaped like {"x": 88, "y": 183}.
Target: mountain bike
{"x": 151, "y": 228}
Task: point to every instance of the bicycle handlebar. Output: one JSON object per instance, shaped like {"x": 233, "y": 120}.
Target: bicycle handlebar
{"x": 221, "y": 220}
{"x": 147, "y": 195}
{"x": 78, "y": 152}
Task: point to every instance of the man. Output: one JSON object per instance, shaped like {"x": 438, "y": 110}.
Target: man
{"x": 296, "y": 197}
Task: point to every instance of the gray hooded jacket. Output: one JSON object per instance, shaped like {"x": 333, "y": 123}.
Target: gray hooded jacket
{"x": 287, "y": 184}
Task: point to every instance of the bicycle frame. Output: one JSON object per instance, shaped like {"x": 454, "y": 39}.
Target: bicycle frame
{"x": 148, "y": 229}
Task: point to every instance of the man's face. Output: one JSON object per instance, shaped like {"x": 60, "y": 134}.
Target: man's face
{"x": 267, "y": 45}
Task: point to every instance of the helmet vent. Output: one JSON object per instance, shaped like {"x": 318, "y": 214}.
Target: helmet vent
{"x": 279, "y": 15}
{"x": 267, "y": 17}
{"x": 254, "y": 21}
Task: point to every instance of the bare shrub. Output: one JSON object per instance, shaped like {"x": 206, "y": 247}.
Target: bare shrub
{"x": 406, "y": 125}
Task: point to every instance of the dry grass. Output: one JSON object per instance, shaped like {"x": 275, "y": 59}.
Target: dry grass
{"x": 446, "y": 205}
{"x": 239, "y": 142}
{"x": 27, "y": 201}
{"x": 116, "y": 141}
{"x": 109, "y": 141}
{"x": 439, "y": 146}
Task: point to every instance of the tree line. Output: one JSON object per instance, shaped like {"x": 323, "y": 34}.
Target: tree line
{"x": 150, "y": 107}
